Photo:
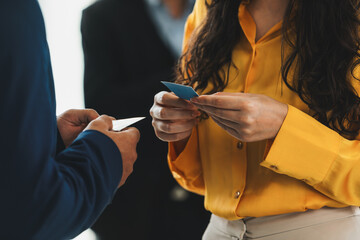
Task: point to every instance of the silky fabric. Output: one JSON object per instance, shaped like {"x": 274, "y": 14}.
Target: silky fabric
{"x": 307, "y": 165}
{"x": 322, "y": 224}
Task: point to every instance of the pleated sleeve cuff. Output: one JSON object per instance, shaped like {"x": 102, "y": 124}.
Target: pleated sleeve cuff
{"x": 304, "y": 148}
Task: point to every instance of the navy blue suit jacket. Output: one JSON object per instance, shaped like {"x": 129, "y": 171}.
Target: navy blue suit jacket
{"x": 47, "y": 192}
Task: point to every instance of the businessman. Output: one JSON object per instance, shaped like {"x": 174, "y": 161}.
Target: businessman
{"x": 56, "y": 174}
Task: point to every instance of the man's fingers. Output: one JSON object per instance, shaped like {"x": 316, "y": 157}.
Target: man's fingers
{"x": 107, "y": 121}
{"x": 133, "y": 133}
{"x": 89, "y": 115}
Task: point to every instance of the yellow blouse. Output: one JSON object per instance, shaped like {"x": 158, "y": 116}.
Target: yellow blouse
{"x": 307, "y": 166}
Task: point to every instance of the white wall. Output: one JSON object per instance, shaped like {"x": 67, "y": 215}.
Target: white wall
{"x": 62, "y": 19}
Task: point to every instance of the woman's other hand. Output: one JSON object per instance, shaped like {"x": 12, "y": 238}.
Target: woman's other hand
{"x": 248, "y": 117}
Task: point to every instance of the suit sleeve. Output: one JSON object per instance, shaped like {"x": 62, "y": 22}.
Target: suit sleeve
{"x": 45, "y": 194}
{"x": 309, "y": 151}
{"x": 60, "y": 145}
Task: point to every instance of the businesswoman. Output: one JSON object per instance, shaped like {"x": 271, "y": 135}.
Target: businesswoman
{"x": 273, "y": 142}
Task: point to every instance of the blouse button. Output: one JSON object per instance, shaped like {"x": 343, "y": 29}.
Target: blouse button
{"x": 240, "y": 145}
{"x": 237, "y": 195}
{"x": 274, "y": 167}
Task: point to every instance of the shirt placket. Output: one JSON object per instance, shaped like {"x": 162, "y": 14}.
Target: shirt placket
{"x": 239, "y": 163}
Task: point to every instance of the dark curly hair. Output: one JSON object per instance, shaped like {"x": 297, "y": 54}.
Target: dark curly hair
{"x": 324, "y": 52}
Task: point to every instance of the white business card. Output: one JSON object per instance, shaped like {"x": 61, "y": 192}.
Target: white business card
{"x": 120, "y": 124}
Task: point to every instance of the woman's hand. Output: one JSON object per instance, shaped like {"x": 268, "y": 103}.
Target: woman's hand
{"x": 72, "y": 122}
{"x": 173, "y": 118}
{"x": 248, "y": 117}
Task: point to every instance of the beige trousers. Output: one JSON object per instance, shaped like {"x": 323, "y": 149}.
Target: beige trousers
{"x": 321, "y": 224}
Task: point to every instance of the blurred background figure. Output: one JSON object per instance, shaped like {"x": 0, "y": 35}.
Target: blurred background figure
{"x": 129, "y": 47}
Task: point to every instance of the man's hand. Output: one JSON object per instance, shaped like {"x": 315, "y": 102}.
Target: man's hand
{"x": 125, "y": 140}
{"x": 72, "y": 122}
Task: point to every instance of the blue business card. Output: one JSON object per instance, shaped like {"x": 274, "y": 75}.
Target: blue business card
{"x": 182, "y": 91}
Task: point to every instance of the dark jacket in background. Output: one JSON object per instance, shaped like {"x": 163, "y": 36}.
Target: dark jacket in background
{"x": 47, "y": 192}
{"x": 125, "y": 60}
